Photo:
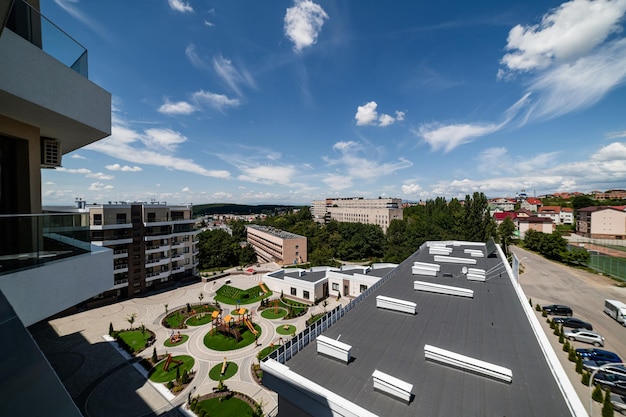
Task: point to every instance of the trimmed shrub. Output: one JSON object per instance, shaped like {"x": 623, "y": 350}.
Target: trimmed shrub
{"x": 544, "y": 314}
{"x": 538, "y": 307}
{"x": 607, "y": 406}
{"x": 585, "y": 378}
{"x": 597, "y": 394}
{"x": 579, "y": 364}
{"x": 572, "y": 354}
{"x": 566, "y": 346}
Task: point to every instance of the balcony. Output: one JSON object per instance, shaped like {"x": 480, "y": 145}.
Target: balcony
{"x": 48, "y": 262}
{"x": 157, "y": 262}
{"x": 43, "y": 81}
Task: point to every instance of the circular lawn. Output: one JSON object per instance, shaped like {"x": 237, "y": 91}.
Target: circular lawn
{"x": 216, "y": 372}
{"x": 159, "y": 374}
{"x": 183, "y": 339}
{"x": 286, "y": 329}
{"x": 273, "y": 313}
{"x": 221, "y": 342}
{"x": 228, "y": 407}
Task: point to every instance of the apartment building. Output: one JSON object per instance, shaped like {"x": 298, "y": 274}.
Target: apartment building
{"x": 378, "y": 211}
{"x": 602, "y": 222}
{"x": 559, "y": 215}
{"x": 609, "y": 194}
{"x": 48, "y": 107}
{"x": 274, "y": 245}
{"x": 152, "y": 243}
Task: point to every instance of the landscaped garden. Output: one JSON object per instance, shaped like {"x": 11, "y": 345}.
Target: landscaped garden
{"x": 226, "y": 404}
{"x": 179, "y": 318}
{"x": 266, "y": 351}
{"x": 176, "y": 340}
{"x": 274, "y": 313}
{"x": 134, "y": 340}
{"x": 230, "y": 370}
{"x": 231, "y": 295}
{"x": 292, "y": 308}
{"x": 286, "y": 329}
{"x": 176, "y": 367}
{"x": 223, "y": 341}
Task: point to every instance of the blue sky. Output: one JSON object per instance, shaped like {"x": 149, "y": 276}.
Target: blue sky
{"x": 285, "y": 102}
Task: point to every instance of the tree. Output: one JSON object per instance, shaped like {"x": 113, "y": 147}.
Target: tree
{"x": 479, "y": 226}
{"x": 155, "y": 358}
{"x": 200, "y": 297}
{"x": 505, "y": 233}
{"x": 131, "y": 319}
{"x": 247, "y": 256}
{"x": 596, "y": 395}
{"x": 582, "y": 201}
{"x": 607, "y": 405}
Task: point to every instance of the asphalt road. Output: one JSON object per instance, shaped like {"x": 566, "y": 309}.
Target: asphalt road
{"x": 548, "y": 282}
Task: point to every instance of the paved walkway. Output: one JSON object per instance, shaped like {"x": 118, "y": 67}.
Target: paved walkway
{"x": 104, "y": 382}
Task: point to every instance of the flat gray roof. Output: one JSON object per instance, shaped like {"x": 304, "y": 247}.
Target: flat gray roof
{"x": 491, "y": 327}
{"x": 306, "y": 275}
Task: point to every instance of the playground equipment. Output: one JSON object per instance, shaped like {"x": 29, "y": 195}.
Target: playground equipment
{"x": 248, "y": 323}
{"x": 264, "y": 288}
{"x": 175, "y": 338}
{"x": 169, "y": 360}
{"x": 223, "y": 367}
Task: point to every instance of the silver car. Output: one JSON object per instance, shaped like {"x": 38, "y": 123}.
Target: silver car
{"x": 586, "y": 336}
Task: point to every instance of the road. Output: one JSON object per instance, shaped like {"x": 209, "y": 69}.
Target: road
{"x": 548, "y": 282}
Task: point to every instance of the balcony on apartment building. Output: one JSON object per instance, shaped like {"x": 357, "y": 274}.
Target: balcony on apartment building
{"x": 43, "y": 82}
{"x": 47, "y": 260}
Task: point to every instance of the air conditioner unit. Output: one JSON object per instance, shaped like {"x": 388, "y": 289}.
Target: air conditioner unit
{"x": 50, "y": 153}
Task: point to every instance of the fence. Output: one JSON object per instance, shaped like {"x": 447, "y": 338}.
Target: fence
{"x": 309, "y": 334}
{"x": 609, "y": 265}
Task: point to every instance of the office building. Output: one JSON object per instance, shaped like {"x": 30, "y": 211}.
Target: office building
{"x": 48, "y": 107}
{"x": 274, "y": 245}
{"x": 378, "y": 211}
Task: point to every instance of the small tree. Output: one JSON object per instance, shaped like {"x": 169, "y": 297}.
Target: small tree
{"x": 165, "y": 305}
{"x": 566, "y": 346}
{"x": 155, "y": 358}
{"x": 579, "y": 364}
{"x": 597, "y": 394}
{"x": 200, "y": 297}
{"x": 585, "y": 378}
{"x": 572, "y": 354}
{"x": 607, "y": 406}
{"x": 111, "y": 328}
{"x": 131, "y": 319}
{"x": 561, "y": 336}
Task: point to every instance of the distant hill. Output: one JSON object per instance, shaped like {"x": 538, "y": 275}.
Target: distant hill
{"x": 225, "y": 208}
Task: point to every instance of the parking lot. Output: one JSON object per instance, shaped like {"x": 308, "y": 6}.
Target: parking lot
{"x": 547, "y": 282}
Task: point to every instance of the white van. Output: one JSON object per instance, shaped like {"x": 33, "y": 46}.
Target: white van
{"x": 617, "y": 310}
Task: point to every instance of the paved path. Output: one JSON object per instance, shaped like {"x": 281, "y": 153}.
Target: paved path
{"x": 105, "y": 383}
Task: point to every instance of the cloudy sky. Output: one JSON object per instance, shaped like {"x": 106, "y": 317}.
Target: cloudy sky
{"x": 285, "y": 102}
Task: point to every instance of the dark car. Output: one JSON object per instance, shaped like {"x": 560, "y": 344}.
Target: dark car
{"x": 598, "y": 355}
{"x": 573, "y": 323}
{"x": 558, "y": 310}
{"x": 613, "y": 382}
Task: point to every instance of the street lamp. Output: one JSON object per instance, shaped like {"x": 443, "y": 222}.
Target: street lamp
{"x": 591, "y": 386}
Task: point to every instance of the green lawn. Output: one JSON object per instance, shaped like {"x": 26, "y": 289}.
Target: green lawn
{"x": 230, "y": 407}
{"x": 136, "y": 339}
{"x": 182, "y": 340}
{"x": 266, "y": 351}
{"x": 286, "y": 329}
{"x": 231, "y": 370}
{"x": 273, "y": 313}
{"x": 175, "y": 320}
{"x": 230, "y": 295}
{"x": 158, "y": 374}
{"x": 220, "y": 342}
{"x": 199, "y": 319}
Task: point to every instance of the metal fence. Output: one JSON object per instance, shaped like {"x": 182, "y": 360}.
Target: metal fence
{"x": 309, "y": 334}
{"x": 609, "y": 265}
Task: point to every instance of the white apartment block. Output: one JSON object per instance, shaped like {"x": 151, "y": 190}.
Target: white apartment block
{"x": 379, "y": 211}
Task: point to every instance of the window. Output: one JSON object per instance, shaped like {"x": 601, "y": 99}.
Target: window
{"x": 97, "y": 219}
{"x": 293, "y": 291}
{"x": 362, "y": 287}
{"x": 151, "y": 217}
{"x": 305, "y": 294}
{"x": 121, "y": 218}
{"x": 335, "y": 286}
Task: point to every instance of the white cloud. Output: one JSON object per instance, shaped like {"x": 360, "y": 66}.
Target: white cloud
{"x": 124, "y": 144}
{"x": 125, "y": 168}
{"x": 100, "y": 176}
{"x": 411, "y": 189}
{"x": 615, "y": 151}
{"x": 180, "y": 6}
{"x": 192, "y": 56}
{"x": 216, "y": 101}
{"x": 337, "y": 182}
{"x": 73, "y": 171}
{"x": 567, "y": 32}
{"x": 165, "y": 139}
{"x": 268, "y": 174}
{"x": 233, "y": 77}
{"x": 615, "y": 135}
{"x": 181, "y": 107}
{"x": 303, "y": 23}
{"x": 185, "y": 189}
{"x": 448, "y": 137}
{"x": 367, "y": 115}
{"x": 98, "y": 186}
{"x": 207, "y": 23}
{"x": 77, "y": 156}
{"x": 221, "y": 195}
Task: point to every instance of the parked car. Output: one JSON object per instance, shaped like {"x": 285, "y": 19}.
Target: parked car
{"x": 573, "y": 322}
{"x": 558, "y": 310}
{"x": 592, "y": 365}
{"x": 598, "y": 354}
{"x": 613, "y": 382}
{"x": 584, "y": 336}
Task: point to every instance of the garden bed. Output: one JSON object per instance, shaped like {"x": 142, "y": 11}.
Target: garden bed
{"x": 177, "y": 319}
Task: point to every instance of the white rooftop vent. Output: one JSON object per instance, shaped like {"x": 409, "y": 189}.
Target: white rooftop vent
{"x": 392, "y": 386}
{"x": 454, "y": 260}
{"x": 442, "y": 289}
{"x": 466, "y": 363}
{"x": 333, "y": 348}
{"x": 395, "y": 304}
{"x": 476, "y": 253}
{"x": 423, "y": 268}
{"x": 475, "y": 274}
{"x": 439, "y": 250}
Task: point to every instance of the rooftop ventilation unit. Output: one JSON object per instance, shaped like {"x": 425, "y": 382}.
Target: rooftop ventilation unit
{"x": 466, "y": 363}
{"x": 392, "y": 386}
{"x": 475, "y": 253}
{"x": 454, "y": 260}
{"x": 423, "y": 268}
{"x": 475, "y": 274}
{"x": 442, "y": 289}
{"x": 395, "y": 304}
{"x": 50, "y": 153}
{"x": 439, "y": 250}
{"x": 333, "y": 348}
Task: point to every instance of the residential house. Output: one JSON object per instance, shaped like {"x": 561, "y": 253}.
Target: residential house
{"x": 602, "y": 222}
{"x": 613, "y": 194}
{"x": 539, "y": 224}
{"x": 500, "y": 216}
{"x": 531, "y": 204}
{"x": 502, "y": 204}
{"x": 559, "y": 215}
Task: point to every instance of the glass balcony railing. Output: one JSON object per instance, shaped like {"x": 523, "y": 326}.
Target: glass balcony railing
{"x": 30, "y": 240}
{"x": 31, "y": 25}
